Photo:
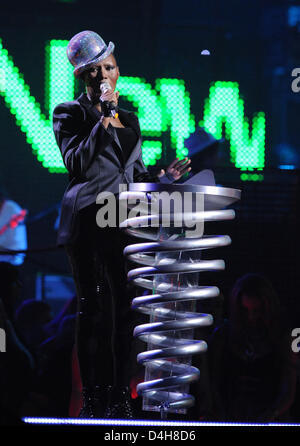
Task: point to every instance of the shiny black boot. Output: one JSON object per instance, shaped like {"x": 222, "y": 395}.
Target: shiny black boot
{"x": 119, "y": 403}
{"x": 94, "y": 402}
{"x": 100, "y": 401}
{"x": 87, "y": 409}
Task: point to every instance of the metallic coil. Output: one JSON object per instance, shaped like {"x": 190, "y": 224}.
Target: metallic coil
{"x": 163, "y": 359}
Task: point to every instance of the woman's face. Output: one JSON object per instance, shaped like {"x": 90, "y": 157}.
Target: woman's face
{"x": 252, "y": 310}
{"x": 104, "y": 71}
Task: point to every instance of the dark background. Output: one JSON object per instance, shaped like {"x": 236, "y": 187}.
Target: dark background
{"x": 254, "y": 43}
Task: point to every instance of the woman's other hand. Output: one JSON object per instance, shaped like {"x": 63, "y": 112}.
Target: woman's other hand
{"x": 177, "y": 168}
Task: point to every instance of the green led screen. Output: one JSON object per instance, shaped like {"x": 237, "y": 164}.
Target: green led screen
{"x": 162, "y": 108}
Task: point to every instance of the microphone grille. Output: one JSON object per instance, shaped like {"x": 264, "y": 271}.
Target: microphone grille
{"x": 104, "y": 87}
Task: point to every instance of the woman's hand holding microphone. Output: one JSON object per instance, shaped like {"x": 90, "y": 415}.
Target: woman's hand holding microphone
{"x": 108, "y": 97}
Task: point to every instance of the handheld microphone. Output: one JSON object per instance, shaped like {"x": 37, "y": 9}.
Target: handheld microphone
{"x": 112, "y": 106}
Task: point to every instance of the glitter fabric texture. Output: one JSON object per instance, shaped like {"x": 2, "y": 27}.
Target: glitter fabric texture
{"x": 87, "y": 48}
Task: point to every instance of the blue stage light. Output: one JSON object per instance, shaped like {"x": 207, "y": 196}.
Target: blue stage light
{"x": 287, "y": 167}
{"x": 117, "y": 422}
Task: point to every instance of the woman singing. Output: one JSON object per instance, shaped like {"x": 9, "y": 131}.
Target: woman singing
{"x": 100, "y": 152}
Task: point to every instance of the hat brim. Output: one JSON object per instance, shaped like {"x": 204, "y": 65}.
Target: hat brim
{"x": 81, "y": 68}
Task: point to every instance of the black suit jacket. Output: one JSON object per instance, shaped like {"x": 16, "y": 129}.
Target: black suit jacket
{"x": 94, "y": 159}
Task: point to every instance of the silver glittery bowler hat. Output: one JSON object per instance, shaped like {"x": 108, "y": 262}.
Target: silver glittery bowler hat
{"x": 87, "y": 48}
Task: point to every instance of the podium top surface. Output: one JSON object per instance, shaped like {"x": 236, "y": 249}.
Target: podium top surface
{"x": 216, "y": 196}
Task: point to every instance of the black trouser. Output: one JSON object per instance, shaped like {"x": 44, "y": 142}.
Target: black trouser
{"x": 104, "y": 317}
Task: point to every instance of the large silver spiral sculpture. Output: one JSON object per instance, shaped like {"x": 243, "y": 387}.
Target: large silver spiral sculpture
{"x": 171, "y": 264}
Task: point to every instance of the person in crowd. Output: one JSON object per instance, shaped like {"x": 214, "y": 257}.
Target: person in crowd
{"x": 13, "y": 234}
{"x": 17, "y": 365}
{"x": 31, "y": 318}
{"x": 252, "y": 366}
{"x": 68, "y": 309}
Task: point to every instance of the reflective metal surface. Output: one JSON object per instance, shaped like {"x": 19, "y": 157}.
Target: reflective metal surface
{"x": 170, "y": 266}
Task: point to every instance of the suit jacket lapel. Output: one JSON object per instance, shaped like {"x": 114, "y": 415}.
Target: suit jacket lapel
{"x": 129, "y": 120}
